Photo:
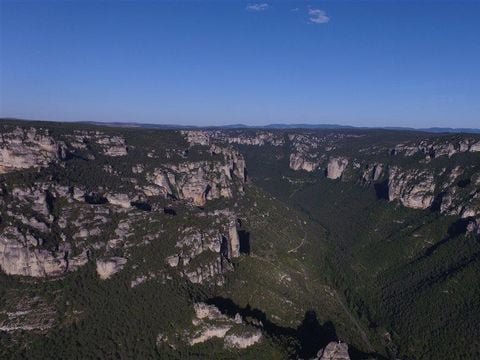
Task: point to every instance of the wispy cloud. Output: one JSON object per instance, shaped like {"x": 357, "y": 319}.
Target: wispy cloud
{"x": 257, "y": 7}
{"x": 295, "y": 9}
{"x": 318, "y": 16}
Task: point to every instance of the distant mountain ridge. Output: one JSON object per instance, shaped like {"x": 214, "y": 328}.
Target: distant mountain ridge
{"x": 272, "y": 126}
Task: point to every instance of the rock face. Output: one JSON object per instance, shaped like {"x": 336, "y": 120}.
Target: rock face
{"x": 27, "y": 313}
{"x": 334, "y": 351}
{"x": 437, "y": 147}
{"x": 106, "y": 268}
{"x": 28, "y": 148}
{"x": 209, "y": 323}
{"x": 373, "y": 172}
{"x": 300, "y": 162}
{"x": 336, "y": 166}
{"x": 197, "y": 183}
{"x": 474, "y": 227}
{"x": 162, "y": 178}
{"x": 207, "y": 272}
{"x": 34, "y": 197}
{"x": 475, "y": 147}
{"x": 18, "y": 257}
{"x": 22, "y": 255}
{"x": 110, "y": 145}
{"x": 26, "y": 246}
{"x": 201, "y": 181}
{"x": 257, "y": 138}
{"x": 121, "y": 200}
{"x": 234, "y": 241}
{"x": 304, "y": 155}
{"x": 114, "y": 146}
{"x": 413, "y": 188}
{"x": 217, "y": 245}
{"x": 197, "y": 137}
{"x": 243, "y": 341}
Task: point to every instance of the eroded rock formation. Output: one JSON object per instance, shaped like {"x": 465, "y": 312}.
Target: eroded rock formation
{"x": 334, "y": 351}
{"x": 28, "y": 148}
{"x": 106, "y": 268}
{"x": 336, "y": 166}
{"x": 413, "y": 188}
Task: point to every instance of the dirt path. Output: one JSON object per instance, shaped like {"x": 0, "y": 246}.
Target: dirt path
{"x": 299, "y": 246}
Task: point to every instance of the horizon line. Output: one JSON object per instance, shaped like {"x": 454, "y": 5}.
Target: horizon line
{"x": 271, "y": 126}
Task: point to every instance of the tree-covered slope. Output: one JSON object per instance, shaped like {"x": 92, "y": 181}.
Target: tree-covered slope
{"x": 144, "y": 243}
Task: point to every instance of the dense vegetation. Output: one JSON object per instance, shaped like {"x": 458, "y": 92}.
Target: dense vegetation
{"x": 324, "y": 260}
{"x": 411, "y": 273}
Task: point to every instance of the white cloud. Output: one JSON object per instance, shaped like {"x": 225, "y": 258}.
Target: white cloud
{"x": 257, "y": 7}
{"x": 318, "y": 16}
{"x": 294, "y": 9}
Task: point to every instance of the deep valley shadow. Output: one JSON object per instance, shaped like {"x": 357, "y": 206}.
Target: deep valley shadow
{"x": 307, "y": 339}
{"x": 381, "y": 190}
{"x": 140, "y": 205}
{"x": 95, "y": 199}
{"x": 244, "y": 237}
{"x": 459, "y": 227}
{"x": 169, "y": 211}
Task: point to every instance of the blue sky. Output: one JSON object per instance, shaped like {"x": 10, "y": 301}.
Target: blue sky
{"x": 369, "y": 63}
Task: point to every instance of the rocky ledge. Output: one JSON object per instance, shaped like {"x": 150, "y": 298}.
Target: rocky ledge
{"x": 24, "y": 148}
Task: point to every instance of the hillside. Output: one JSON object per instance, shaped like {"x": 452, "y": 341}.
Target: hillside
{"x": 238, "y": 243}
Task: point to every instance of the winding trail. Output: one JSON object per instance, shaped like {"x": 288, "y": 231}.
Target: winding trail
{"x": 299, "y": 246}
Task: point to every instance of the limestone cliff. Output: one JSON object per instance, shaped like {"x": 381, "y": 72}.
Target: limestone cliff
{"x": 24, "y": 148}
{"x": 413, "y": 188}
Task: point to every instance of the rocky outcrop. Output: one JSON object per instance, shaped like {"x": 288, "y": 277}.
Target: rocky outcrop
{"x": 196, "y": 183}
{"x": 32, "y": 241}
{"x": 27, "y": 313}
{"x": 199, "y": 137}
{"x": 475, "y": 147}
{"x": 234, "y": 162}
{"x": 209, "y": 332}
{"x": 373, "y": 172}
{"x": 256, "y": 138}
{"x": 243, "y": 341}
{"x": 334, "y": 351}
{"x": 106, "y": 268}
{"x": 19, "y": 257}
{"x": 35, "y": 197}
{"x": 22, "y": 254}
{"x": 460, "y": 195}
{"x": 209, "y": 323}
{"x": 28, "y": 148}
{"x": 205, "y": 311}
{"x": 110, "y": 145}
{"x": 201, "y": 181}
{"x": 218, "y": 245}
{"x": 310, "y": 151}
{"x": 259, "y": 138}
{"x": 162, "y": 178}
{"x": 121, "y": 200}
{"x": 304, "y": 155}
{"x": 116, "y": 150}
{"x": 233, "y": 241}
{"x": 336, "y": 166}
{"x": 194, "y": 242}
{"x": 473, "y": 227}
{"x": 211, "y": 272}
{"x": 413, "y": 188}
{"x": 138, "y": 168}
{"x": 299, "y": 161}
{"x": 438, "y": 146}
